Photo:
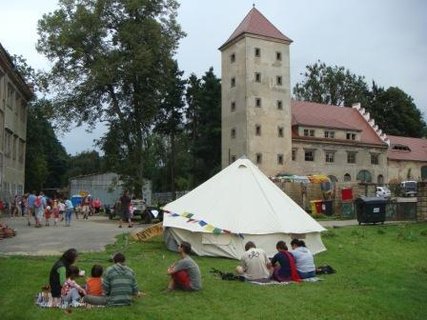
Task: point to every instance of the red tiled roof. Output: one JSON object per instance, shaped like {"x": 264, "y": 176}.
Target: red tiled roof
{"x": 327, "y": 116}
{"x": 255, "y": 23}
{"x": 417, "y": 149}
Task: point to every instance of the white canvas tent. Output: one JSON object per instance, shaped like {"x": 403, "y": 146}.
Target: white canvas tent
{"x": 237, "y": 205}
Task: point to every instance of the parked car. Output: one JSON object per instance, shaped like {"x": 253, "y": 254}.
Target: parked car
{"x": 408, "y": 188}
{"x": 383, "y": 192}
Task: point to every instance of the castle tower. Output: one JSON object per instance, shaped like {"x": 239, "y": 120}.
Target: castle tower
{"x": 256, "y": 105}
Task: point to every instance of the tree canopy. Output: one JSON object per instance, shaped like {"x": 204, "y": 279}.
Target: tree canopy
{"x": 110, "y": 61}
{"x": 393, "y": 110}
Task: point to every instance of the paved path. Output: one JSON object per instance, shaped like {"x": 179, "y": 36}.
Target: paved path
{"x": 84, "y": 235}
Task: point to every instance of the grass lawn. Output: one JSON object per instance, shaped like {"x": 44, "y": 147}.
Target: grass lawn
{"x": 381, "y": 274}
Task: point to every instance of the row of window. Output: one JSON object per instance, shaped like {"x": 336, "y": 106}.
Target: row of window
{"x": 257, "y": 78}
{"x": 280, "y": 131}
{"x": 257, "y": 54}
{"x": 328, "y": 134}
{"x": 309, "y": 155}
{"x": 258, "y": 104}
{"x": 14, "y": 146}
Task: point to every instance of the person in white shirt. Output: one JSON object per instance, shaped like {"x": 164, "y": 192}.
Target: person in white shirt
{"x": 254, "y": 263}
{"x": 304, "y": 259}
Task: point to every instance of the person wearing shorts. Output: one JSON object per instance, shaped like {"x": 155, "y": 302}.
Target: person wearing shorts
{"x": 185, "y": 273}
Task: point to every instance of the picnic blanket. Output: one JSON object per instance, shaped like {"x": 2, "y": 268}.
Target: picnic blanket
{"x": 44, "y": 299}
{"x": 274, "y": 282}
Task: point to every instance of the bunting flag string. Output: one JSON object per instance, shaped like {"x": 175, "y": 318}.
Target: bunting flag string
{"x": 205, "y": 225}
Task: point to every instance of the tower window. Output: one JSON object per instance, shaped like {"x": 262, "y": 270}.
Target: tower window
{"x": 258, "y": 130}
{"x": 278, "y": 56}
{"x": 257, "y": 77}
{"x": 233, "y": 82}
{"x": 257, "y": 52}
{"x": 280, "y": 132}
{"x": 258, "y": 102}
{"x": 279, "y": 105}
{"x": 279, "y": 80}
{"x": 233, "y": 106}
{"x": 280, "y": 159}
{"x": 258, "y": 158}
{"x": 232, "y": 57}
{"x": 233, "y": 133}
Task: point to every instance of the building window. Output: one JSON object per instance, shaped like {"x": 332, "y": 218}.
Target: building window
{"x": 329, "y": 156}
{"x": 233, "y": 158}
{"x": 280, "y": 159}
{"x": 257, "y": 52}
{"x": 279, "y": 105}
{"x": 280, "y": 132}
{"x": 329, "y": 134}
{"x": 233, "y": 82}
{"x": 278, "y": 56}
{"x": 279, "y": 80}
{"x": 375, "y": 158}
{"x": 232, "y": 57}
{"x": 351, "y": 136}
{"x": 347, "y": 177}
{"x": 8, "y": 143}
{"x": 308, "y": 132}
{"x": 309, "y": 155}
{"x": 351, "y": 157}
{"x": 258, "y": 102}
{"x": 294, "y": 154}
{"x": 258, "y": 158}
{"x": 258, "y": 130}
{"x": 233, "y": 133}
{"x": 257, "y": 77}
{"x": 233, "y": 106}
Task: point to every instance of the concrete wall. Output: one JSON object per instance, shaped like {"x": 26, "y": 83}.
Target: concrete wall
{"x": 405, "y": 170}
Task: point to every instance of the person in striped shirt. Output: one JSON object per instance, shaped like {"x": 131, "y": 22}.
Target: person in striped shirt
{"x": 119, "y": 284}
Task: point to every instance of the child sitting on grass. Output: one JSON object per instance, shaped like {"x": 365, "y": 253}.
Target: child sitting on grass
{"x": 71, "y": 291}
{"x": 94, "y": 283}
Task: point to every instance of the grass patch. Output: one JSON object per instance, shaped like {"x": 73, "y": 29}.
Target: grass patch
{"x": 381, "y": 274}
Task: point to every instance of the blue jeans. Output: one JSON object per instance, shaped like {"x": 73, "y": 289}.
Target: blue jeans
{"x": 68, "y": 214}
{"x": 305, "y": 275}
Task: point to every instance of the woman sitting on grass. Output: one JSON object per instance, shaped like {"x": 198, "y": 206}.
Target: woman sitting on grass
{"x": 284, "y": 264}
{"x": 303, "y": 259}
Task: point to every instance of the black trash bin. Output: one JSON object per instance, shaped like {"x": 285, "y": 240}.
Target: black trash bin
{"x": 370, "y": 209}
{"x": 328, "y": 208}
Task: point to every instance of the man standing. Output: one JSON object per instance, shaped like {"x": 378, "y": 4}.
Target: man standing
{"x": 254, "y": 264}
{"x": 124, "y": 205}
{"x": 119, "y": 284}
{"x": 185, "y": 273}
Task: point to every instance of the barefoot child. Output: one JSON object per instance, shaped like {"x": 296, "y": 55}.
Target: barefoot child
{"x": 71, "y": 291}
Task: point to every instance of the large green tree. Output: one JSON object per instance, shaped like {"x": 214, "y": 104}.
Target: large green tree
{"x": 331, "y": 85}
{"x": 393, "y": 110}
{"x": 204, "y": 125}
{"x": 110, "y": 61}
{"x": 45, "y": 157}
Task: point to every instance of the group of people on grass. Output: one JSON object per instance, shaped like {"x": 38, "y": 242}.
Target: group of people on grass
{"x": 284, "y": 266}
{"x": 118, "y": 285}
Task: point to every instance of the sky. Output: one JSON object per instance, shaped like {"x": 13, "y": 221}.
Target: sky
{"x": 383, "y": 40}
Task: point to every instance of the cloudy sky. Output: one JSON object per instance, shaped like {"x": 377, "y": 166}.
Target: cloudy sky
{"x": 382, "y": 40}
